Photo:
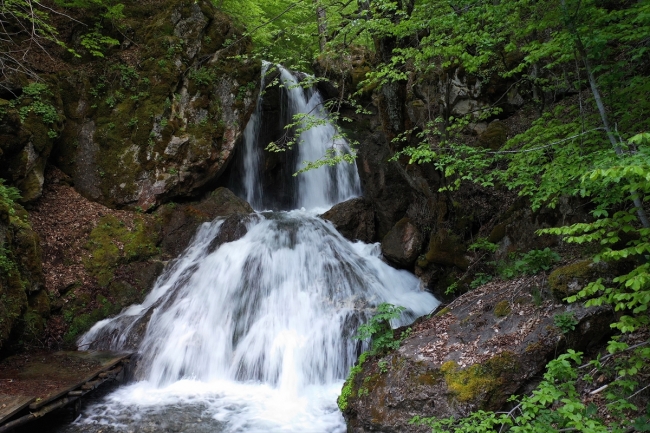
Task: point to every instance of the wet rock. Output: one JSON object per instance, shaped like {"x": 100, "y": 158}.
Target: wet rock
{"x": 471, "y": 355}
{"x": 401, "y": 246}
{"x": 180, "y": 221}
{"x": 354, "y": 219}
{"x": 233, "y": 228}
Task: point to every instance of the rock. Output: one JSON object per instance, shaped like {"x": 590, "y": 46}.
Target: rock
{"x": 494, "y": 136}
{"x": 233, "y": 228}
{"x": 401, "y": 246}
{"x": 516, "y": 228}
{"x": 180, "y": 221}
{"x": 25, "y": 305}
{"x": 570, "y": 279}
{"x": 471, "y": 355}
{"x": 163, "y": 123}
{"x": 354, "y": 219}
{"x": 26, "y": 138}
{"x": 445, "y": 249}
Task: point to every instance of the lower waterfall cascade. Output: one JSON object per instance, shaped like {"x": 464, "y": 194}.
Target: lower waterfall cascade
{"x": 255, "y": 335}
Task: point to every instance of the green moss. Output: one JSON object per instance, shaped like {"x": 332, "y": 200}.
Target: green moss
{"x": 112, "y": 243}
{"x": 479, "y": 381}
{"x": 446, "y": 249}
{"x": 497, "y": 233}
{"x": 348, "y": 387}
{"x": 494, "y": 136}
{"x": 502, "y": 309}
{"x": 443, "y": 312}
{"x": 568, "y": 280}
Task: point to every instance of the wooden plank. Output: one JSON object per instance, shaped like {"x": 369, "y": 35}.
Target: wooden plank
{"x": 106, "y": 365}
{"x": 12, "y": 404}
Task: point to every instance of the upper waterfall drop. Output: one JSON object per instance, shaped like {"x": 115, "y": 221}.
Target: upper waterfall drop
{"x": 317, "y": 189}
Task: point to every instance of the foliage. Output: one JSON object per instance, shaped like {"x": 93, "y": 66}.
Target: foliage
{"x": 482, "y": 244}
{"x": 95, "y": 42}
{"x": 554, "y": 406}
{"x": 530, "y": 263}
{"x": 630, "y": 293}
{"x": 379, "y": 331}
{"x": 33, "y": 100}
{"x": 565, "y": 321}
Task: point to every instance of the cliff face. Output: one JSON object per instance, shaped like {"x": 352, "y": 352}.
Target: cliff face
{"x": 156, "y": 118}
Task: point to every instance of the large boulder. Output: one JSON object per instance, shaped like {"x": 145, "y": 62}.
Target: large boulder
{"x": 354, "y": 219}
{"x": 160, "y": 117}
{"x": 402, "y": 245}
{"x": 485, "y": 346}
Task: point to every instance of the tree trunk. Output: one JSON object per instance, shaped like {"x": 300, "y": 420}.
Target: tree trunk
{"x": 321, "y": 18}
{"x": 601, "y": 109}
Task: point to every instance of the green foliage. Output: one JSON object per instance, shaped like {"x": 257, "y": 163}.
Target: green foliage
{"x": 379, "y": 331}
{"x": 202, "y": 76}
{"x": 530, "y": 263}
{"x": 33, "y": 100}
{"x": 346, "y": 392}
{"x": 565, "y": 321}
{"x": 482, "y": 244}
{"x": 95, "y": 42}
{"x": 629, "y": 293}
{"x": 479, "y": 279}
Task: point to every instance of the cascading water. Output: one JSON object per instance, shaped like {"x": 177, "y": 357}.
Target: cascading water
{"x": 254, "y": 335}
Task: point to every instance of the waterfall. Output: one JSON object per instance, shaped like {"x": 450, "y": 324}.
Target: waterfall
{"x": 317, "y": 189}
{"x": 255, "y": 335}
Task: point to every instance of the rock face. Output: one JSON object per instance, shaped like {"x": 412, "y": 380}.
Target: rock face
{"x": 354, "y": 219}
{"x": 472, "y": 355}
{"x": 29, "y": 124}
{"x": 160, "y": 118}
{"x": 25, "y": 305}
{"x": 401, "y": 246}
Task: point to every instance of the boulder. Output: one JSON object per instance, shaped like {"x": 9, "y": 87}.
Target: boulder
{"x": 402, "y": 245}
{"x": 354, "y": 219}
{"x": 487, "y": 345}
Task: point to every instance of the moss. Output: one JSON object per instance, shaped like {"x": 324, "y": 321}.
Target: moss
{"x": 478, "y": 382}
{"x": 494, "y": 136}
{"x": 568, "y": 280}
{"x": 446, "y": 249}
{"x": 443, "y": 312}
{"x": 83, "y": 322}
{"x": 497, "y": 233}
{"x": 348, "y": 387}
{"x": 112, "y": 243}
{"x": 502, "y": 309}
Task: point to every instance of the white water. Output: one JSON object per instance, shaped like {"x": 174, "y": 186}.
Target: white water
{"x": 255, "y": 335}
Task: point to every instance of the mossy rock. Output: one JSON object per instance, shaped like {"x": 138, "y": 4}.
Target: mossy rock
{"x": 446, "y": 249}
{"x": 112, "y": 243}
{"x": 502, "y": 308}
{"x": 570, "y": 279}
{"x": 478, "y": 382}
{"x": 142, "y": 135}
